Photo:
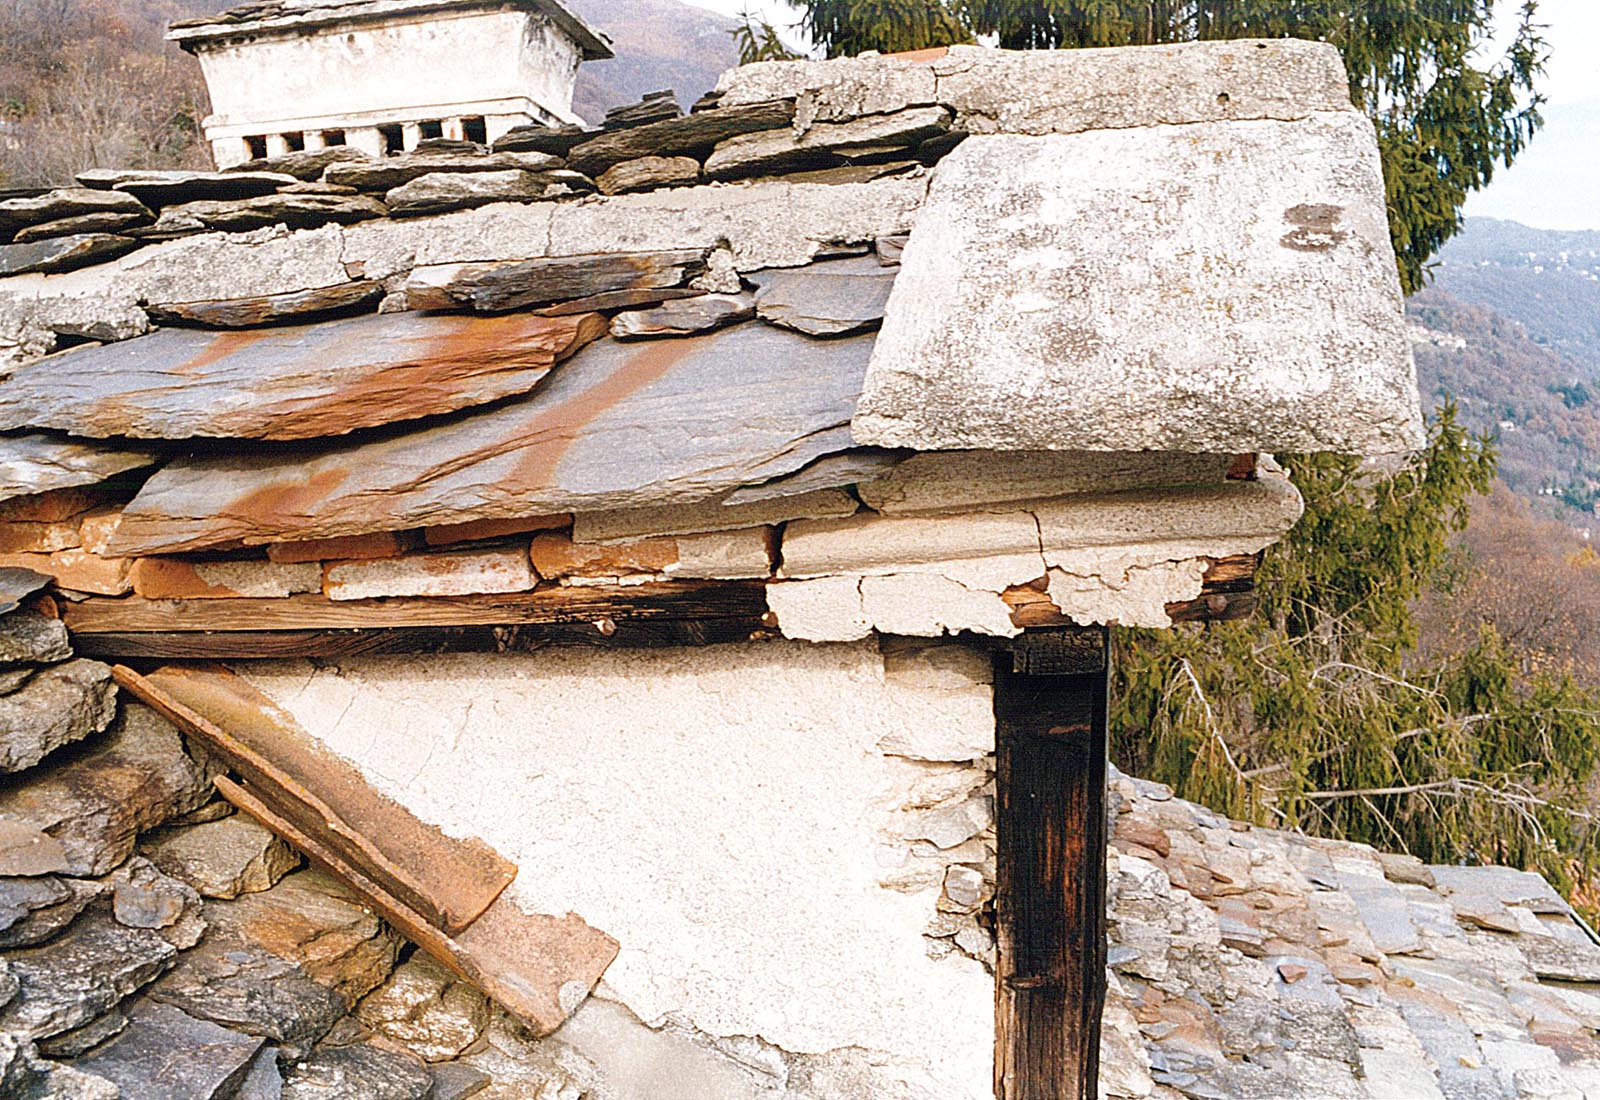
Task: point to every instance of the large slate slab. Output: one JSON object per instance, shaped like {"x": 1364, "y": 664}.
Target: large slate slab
{"x": 57, "y": 706}
{"x": 832, "y": 298}
{"x": 679, "y": 136}
{"x": 684, "y": 317}
{"x": 825, "y": 144}
{"x": 36, "y": 463}
{"x": 293, "y": 307}
{"x": 95, "y": 802}
{"x": 618, "y": 426}
{"x": 62, "y": 254}
{"x": 518, "y": 284}
{"x": 296, "y": 382}
{"x": 438, "y": 192}
{"x": 164, "y": 188}
{"x": 34, "y": 909}
{"x": 306, "y": 164}
{"x": 15, "y": 586}
{"x": 298, "y": 210}
{"x": 82, "y": 223}
{"x": 391, "y": 172}
{"x": 243, "y": 987}
{"x": 1222, "y": 287}
{"x": 66, "y": 202}
{"x": 166, "y": 1054}
{"x": 84, "y": 972}
{"x": 26, "y": 1076}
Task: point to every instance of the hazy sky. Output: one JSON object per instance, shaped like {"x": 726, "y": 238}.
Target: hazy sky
{"x": 1555, "y": 184}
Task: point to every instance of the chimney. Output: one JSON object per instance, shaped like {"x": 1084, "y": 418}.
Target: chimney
{"x": 381, "y": 75}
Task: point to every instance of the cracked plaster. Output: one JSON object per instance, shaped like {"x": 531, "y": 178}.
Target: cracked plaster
{"x": 735, "y": 816}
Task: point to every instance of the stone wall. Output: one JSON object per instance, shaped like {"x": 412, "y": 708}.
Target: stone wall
{"x": 793, "y": 844}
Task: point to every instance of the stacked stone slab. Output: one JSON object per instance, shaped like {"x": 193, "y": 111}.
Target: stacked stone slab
{"x": 154, "y": 944}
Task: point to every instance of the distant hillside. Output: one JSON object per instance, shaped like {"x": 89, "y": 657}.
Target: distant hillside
{"x": 659, "y": 44}
{"x": 1548, "y": 280}
{"x": 1511, "y": 330}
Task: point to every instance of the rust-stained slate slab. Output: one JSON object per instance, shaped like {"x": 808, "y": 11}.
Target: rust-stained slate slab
{"x": 492, "y": 287}
{"x": 356, "y": 296}
{"x": 299, "y": 382}
{"x": 37, "y": 463}
{"x": 618, "y": 426}
{"x": 449, "y": 881}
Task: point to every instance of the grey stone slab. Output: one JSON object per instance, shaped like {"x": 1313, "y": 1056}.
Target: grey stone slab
{"x": 439, "y": 192}
{"x": 164, "y": 188}
{"x": 17, "y": 585}
{"x": 824, "y": 143}
{"x": 457, "y": 1081}
{"x": 134, "y": 777}
{"x": 263, "y": 1080}
{"x": 831, "y": 298}
{"x": 83, "y": 223}
{"x": 853, "y": 467}
{"x": 518, "y": 284}
{"x": 297, "y": 210}
{"x": 26, "y": 851}
{"x": 305, "y": 164}
{"x": 534, "y": 137}
{"x": 645, "y": 173}
{"x": 223, "y": 859}
{"x": 247, "y": 988}
{"x": 1385, "y": 915}
{"x": 618, "y": 426}
{"x": 1228, "y": 286}
{"x": 59, "y": 705}
{"x": 67, "y": 202}
{"x": 291, "y": 382}
{"x": 680, "y": 136}
{"x": 33, "y": 910}
{"x": 26, "y": 1076}
{"x": 684, "y": 317}
{"x": 28, "y": 638}
{"x": 1506, "y": 884}
{"x": 361, "y": 1072}
{"x": 61, "y": 254}
{"x": 166, "y": 1054}
{"x": 70, "y": 1044}
{"x": 1067, "y": 91}
{"x": 83, "y": 973}
{"x": 294, "y": 307}
{"x": 1560, "y": 958}
{"x": 36, "y": 463}
{"x": 391, "y": 172}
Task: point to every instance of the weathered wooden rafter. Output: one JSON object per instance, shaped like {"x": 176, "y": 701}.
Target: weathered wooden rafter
{"x": 660, "y": 614}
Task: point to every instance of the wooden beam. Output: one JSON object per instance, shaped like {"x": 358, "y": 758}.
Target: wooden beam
{"x": 1050, "y": 903}
{"x": 543, "y": 606}
{"x": 250, "y": 644}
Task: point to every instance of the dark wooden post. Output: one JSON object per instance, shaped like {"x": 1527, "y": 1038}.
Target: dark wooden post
{"x": 1050, "y": 904}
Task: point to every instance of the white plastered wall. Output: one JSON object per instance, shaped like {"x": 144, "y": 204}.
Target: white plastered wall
{"x": 766, "y": 828}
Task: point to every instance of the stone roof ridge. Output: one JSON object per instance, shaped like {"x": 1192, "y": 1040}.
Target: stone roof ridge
{"x": 1248, "y": 961}
{"x": 291, "y": 16}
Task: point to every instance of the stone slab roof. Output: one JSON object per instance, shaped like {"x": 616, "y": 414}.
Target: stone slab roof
{"x": 1253, "y": 962}
{"x": 294, "y": 16}
{"x": 1010, "y": 269}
